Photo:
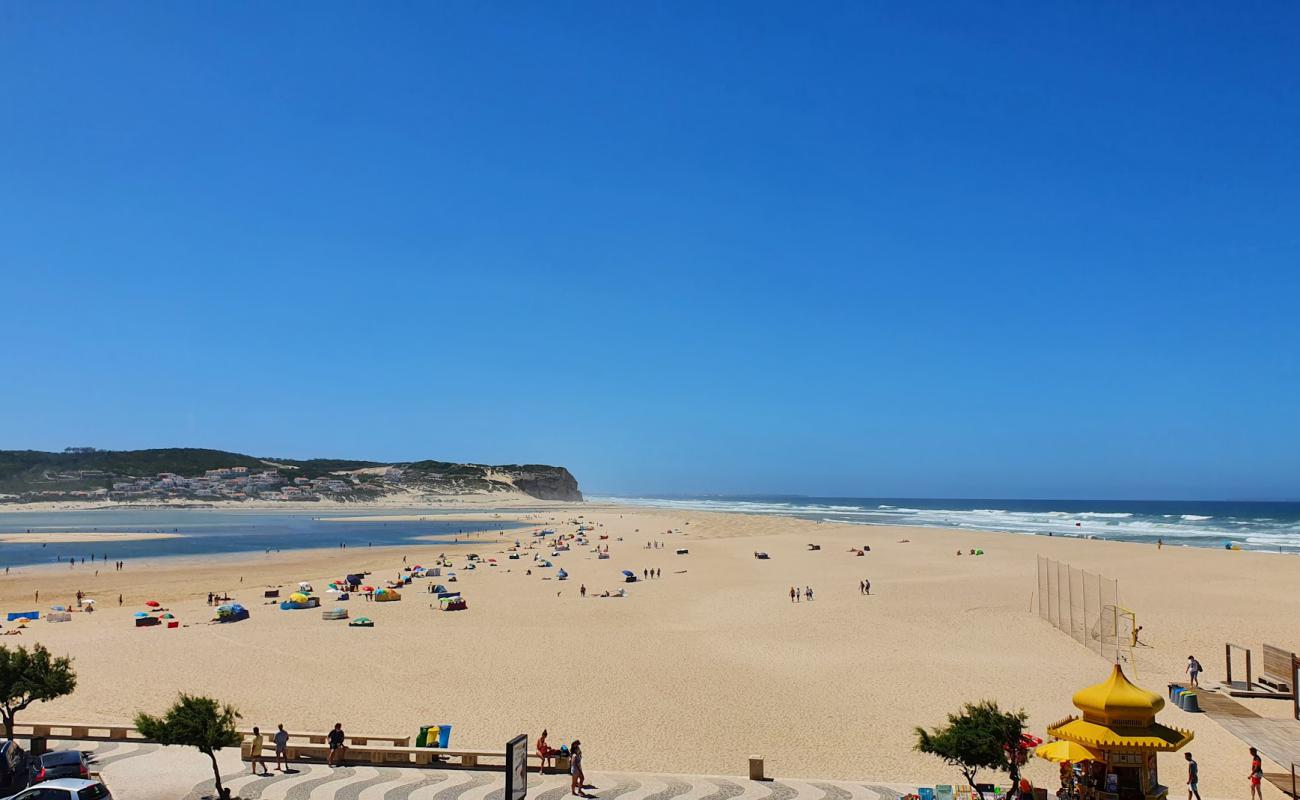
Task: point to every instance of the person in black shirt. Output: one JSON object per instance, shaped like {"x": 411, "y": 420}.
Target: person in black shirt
{"x": 1193, "y": 776}
{"x": 338, "y": 751}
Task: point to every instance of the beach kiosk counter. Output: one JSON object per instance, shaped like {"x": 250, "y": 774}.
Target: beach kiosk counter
{"x": 1115, "y": 741}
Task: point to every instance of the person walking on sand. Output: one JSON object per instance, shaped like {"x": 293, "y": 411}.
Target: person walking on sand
{"x": 582, "y": 590}
{"x": 866, "y": 586}
{"x": 338, "y": 752}
{"x": 807, "y": 593}
{"x": 255, "y": 752}
{"x": 794, "y": 595}
{"x": 1256, "y": 775}
{"x": 579, "y": 780}
{"x": 1193, "y": 777}
{"x": 281, "y": 740}
{"x": 1194, "y": 672}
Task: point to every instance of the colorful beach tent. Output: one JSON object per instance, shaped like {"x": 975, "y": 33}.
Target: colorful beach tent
{"x": 562, "y": 575}
{"x": 297, "y": 597}
{"x": 387, "y": 595}
{"x": 629, "y": 576}
{"x": 361, "y": 622}
{"x": 231, "y": 612}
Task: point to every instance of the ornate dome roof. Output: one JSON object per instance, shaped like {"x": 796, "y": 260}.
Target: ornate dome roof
{"x": 1118, "y": 700}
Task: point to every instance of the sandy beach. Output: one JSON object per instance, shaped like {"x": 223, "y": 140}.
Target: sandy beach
{"x": 79, "y": 537}
{"x": 692, "y": 672}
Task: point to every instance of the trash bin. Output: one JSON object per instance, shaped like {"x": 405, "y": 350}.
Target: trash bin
{"x": 434, "y": 736}
{"x": 1190, "y": 703}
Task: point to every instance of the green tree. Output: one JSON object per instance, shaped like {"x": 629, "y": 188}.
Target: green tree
{"x": 198, "y": 722}
{"x": 982, "y": 736}
{"x": 30, "y": 676}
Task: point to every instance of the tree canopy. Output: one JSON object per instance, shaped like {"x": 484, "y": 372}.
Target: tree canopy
{"x": 31, "y": 676}
{"x": 194, "y": 721}
{"x": 981, "y": 736}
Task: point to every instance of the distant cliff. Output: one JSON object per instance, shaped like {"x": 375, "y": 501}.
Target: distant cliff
{"x": 87, "y": 474}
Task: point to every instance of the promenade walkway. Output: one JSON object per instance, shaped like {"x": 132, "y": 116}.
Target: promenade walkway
{"x": 1276, "y": 739}
{"x": 138, "y": 771}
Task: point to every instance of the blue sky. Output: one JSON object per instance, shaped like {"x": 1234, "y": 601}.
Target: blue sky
{"x": 1007, "y": 250}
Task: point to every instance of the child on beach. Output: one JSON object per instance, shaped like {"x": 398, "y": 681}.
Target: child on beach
{"x": 1256, "y": 775}
{"x": 1194, "y": 671}
{"x": 338, "y": 751}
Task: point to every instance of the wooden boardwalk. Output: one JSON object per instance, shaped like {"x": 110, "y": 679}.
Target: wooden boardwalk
{"x": 1278, "y": 740}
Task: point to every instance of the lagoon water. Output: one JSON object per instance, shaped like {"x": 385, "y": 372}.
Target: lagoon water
{"x": 1249, "y": 525}
{"x": 206, "y": 531}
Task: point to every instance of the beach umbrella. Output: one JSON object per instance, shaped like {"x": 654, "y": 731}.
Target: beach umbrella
{"x": 153, "y": 603}
{"x": 628, "y": 572}
{"x": 141, "y": 614}
{"x": 1065, "y": 750}
{"x": 168, "y": 616}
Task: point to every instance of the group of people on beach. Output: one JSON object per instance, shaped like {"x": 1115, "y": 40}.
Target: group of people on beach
{"x": 795, "y": 595}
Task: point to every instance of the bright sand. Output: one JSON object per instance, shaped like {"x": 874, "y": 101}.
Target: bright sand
{"x": 74, "y": 537}
{"x": 690, "y": 673}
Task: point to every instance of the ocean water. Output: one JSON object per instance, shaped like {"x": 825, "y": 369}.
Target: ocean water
{"x": 204, "y": 532}
{"x": 1249, "y": 525}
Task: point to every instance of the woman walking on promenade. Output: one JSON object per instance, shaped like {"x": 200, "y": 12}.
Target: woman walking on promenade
{"x": 575, "y": 769}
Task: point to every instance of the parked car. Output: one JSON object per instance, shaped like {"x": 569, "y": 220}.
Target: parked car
{"x": 60, "y": 764}
{"x": 64, "y": 789}
{"x": 14, "y": 767}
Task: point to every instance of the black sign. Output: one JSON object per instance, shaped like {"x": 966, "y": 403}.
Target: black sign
{"x": 517, "y": 768}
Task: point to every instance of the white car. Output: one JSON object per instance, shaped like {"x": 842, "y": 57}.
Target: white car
{"x": 64, "y": 789}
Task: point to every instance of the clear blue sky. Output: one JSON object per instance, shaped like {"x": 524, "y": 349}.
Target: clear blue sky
{"x": 1007, "y": 250}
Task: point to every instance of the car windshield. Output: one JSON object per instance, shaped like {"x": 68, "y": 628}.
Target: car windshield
{"x": 97, "y": 792}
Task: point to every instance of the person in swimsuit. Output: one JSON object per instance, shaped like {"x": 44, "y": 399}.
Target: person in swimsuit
{"x": 575, "y": 769}
{"x": 1256, "y": 775}
{"x": 544, "y": 751}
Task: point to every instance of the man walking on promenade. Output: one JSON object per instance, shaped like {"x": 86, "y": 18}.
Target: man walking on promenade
{"x": 338, "y": 752}
{"x": 255, "y": 752}
{"x": 281, "y": 743}
{"x": 1194, "y": 671}
{"x": 1193, "y": 777}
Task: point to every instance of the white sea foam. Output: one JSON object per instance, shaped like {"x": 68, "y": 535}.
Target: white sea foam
{"x": 1202, "y": 530}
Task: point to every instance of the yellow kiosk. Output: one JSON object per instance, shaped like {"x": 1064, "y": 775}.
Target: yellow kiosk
{"x": 1113, "y": 745}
